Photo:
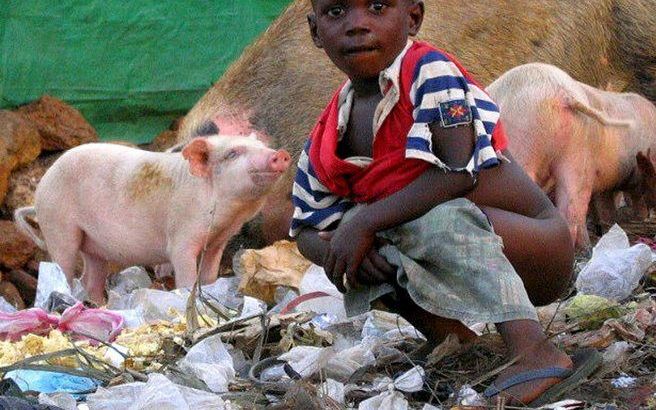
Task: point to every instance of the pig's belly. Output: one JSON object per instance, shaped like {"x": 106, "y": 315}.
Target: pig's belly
{"x": 123, "y": 251}
{"x": 127, "y": 240}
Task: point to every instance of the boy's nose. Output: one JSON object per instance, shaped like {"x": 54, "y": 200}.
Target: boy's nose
{"x": 358, "y": 23}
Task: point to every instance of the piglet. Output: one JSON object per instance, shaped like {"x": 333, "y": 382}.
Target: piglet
{"x": 577, "y": 141}
{"x": 127, "y": 206}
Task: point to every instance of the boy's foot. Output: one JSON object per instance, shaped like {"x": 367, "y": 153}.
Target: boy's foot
{"x": 544, "y": 355}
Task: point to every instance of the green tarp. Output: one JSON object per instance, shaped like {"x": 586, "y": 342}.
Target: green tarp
{"x": 130, "y": 67}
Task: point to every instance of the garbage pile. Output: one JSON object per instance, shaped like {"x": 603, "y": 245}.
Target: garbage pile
{"x": 275, "y": 335}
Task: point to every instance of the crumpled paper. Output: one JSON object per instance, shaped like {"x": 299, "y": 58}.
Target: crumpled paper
{"x": 280, "y": 264}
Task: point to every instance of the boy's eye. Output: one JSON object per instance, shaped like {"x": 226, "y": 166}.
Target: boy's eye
{"x": 335, "y": 11}
{"x": 377, "y": 6}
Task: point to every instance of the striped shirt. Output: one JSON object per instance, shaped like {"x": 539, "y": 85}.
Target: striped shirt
{"x": 422, "y": 86}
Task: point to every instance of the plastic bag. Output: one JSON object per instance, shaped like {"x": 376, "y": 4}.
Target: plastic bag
{"x": 52, "y": 279}
{"x": 98, "y": 324}
{"x": 129, "y": 280}
{"x": 51, "y": 382}
{"x": 36, "y": 321}
{"x": 210, "y": 361}
{"x": 388, "y": 400}
{"x": 615, "y": 268}
{"x": 159, "y": 393}
{"x": 62, "y": 400}
{"x": 152, "y": 304}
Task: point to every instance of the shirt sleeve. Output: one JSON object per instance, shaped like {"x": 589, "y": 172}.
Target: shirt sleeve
{"x": 442, "y": 94}
{"x": 314, "y": 205}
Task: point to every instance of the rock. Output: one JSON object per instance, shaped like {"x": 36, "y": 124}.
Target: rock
{"x": 23, "y": 182}
{"x": 19, "y": 145}
{"x": 11, "y": 294}
{"x": 61, "y": 126}
{"x": 24, "y": 282}
{"x": 15, "y": 249}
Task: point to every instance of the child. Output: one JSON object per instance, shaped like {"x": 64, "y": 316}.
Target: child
{"x": 400, "y": 184}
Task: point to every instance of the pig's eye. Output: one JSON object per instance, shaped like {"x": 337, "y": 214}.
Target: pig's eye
{"x": 232, "y": 154}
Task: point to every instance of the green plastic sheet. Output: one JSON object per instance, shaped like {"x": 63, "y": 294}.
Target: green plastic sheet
{"x": 130, "y": 67}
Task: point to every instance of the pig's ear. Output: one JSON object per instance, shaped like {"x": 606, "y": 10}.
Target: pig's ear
{"x": 197, "y": 152}
{"x": 646, "y": 164}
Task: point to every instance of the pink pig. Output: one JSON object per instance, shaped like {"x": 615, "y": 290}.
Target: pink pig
{"x": 131, "y": 207}
{"x": 577, "y": 141}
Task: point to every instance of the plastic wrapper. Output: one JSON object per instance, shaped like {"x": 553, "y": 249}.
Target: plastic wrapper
{"x": 97, "y": 324}
{"x": 159, "y": 393}
{"x": 210, "y": 361}
{"x": 153, "y": 305}
{"x": 35, "y": 321}
{"x": 52, "y": 279}
{"x": 591, "y": 311}
{"x": 339, "y": 365}
{"x": 468, "y": 397}
{"x": 315, "y": 280}
{"x": 62, "y": 400}
{"x": 387, "y": 400}
{"x": 51, "y": 382}
{"x": 129, "y": 280}
{"x": 333, "y": 389}
{"x": 615, "y": 268}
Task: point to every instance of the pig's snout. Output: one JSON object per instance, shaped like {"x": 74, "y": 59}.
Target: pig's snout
{"x": 279, "y": 161}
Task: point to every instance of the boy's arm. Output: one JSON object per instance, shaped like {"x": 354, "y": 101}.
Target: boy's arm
{"x": 353, "y": 240}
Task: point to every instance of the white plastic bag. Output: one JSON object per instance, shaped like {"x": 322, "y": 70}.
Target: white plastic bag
{"x": 129, "y": 280}
{"x": 210, "y": 361}
{"x": 53, "y": 279}
{"x": 159, "y": 393}
{"x": 387, "y": 400}
{"x": 615, "y": 268}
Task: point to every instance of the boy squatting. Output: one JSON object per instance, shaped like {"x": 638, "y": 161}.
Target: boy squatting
{"x": 401, "y": 183}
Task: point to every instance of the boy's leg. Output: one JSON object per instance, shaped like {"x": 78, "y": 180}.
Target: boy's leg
{"x": 524, "y": 339}
{"x": 539, "y": 249}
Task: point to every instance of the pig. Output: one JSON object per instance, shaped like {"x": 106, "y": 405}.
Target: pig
{"x": 127, "y": 206}
{"x": 280, "y": 84}
{"x": 576, "y": 141}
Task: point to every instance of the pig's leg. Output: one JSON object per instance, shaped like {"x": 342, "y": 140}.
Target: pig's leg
{"x": 64, "y": 247}
{"x": 209, "y": 269}
{"x": 603, "y": 210}
{"x": 94, "y": 277}
{"x": 573, "y": 192}
{"x": 183, "y": 260}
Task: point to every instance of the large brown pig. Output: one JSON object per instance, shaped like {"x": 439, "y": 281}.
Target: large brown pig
{"x": 575, "y": 140}
{"x": 280, "y": 84}
{"x": 131, "y": 207}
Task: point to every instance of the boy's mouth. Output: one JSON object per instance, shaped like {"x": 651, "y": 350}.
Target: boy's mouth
{"x": 359, "y": 50}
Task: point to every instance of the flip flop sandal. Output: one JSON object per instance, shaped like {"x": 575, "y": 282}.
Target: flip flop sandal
{"x": 586, "y": 361}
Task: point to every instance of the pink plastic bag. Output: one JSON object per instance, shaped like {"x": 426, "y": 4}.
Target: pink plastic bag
{"x": 98, "y": 324}
{"x": 36, "y": 321}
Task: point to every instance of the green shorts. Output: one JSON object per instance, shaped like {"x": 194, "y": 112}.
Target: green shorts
{"x": 452, "y": 265}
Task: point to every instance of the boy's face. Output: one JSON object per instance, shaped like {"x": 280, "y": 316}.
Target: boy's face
{"x": 363, "y": 37}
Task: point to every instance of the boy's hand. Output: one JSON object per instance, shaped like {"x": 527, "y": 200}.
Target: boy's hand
{"x": 352, "y": 253}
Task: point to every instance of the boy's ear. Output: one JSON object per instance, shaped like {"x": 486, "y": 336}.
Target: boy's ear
{"x": 312, "y": 22}
{"x": 415, "y": 17}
